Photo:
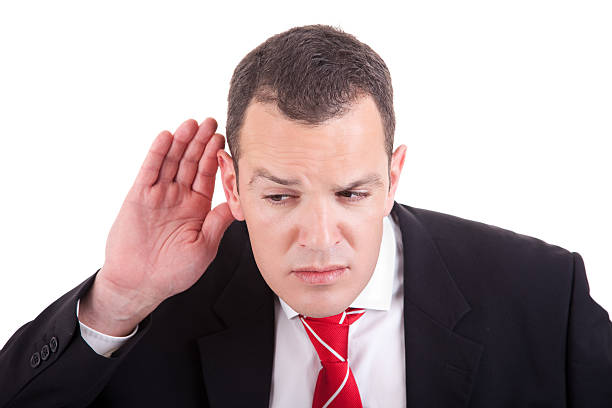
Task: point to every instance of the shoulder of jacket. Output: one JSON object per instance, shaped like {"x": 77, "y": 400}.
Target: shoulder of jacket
{"x": 483, "y": 254}
{"x": 477, "y": 235}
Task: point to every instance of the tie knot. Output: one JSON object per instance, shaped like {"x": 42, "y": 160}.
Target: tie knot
{"x": 329, "y": 335}
{"x": 345, "y": 318}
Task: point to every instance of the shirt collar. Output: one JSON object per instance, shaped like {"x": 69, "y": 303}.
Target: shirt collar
{"x": 378, "y": 292}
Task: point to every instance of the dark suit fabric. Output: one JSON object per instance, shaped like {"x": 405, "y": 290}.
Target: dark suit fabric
{"x": 492, "y": 319}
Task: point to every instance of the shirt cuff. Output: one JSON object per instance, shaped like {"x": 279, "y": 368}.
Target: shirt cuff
{"x": 101, "y": 343}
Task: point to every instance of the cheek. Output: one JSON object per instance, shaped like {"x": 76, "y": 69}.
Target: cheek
{"x": 258, "y": 212}
{"x": 365, "y": 238}
{"x": 269, "y": 243}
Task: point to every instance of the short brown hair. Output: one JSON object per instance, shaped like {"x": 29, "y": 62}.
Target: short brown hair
{"x": 312, "y": 73}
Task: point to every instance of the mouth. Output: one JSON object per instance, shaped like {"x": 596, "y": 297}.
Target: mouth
{"x": 320, "y": 275}
{"x": 319, "y": 268}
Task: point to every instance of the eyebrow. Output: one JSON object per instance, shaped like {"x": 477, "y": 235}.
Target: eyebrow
{"x": 370, "y": 179}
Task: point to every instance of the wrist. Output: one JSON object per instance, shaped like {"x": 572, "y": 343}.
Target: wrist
{"x": 112, "y": 312}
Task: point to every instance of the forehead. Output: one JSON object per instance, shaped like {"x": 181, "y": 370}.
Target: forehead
{"x": 267, "y": 135}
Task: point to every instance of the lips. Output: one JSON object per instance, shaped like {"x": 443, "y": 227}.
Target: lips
{"x": 320, "y": 276}
{"x": 319, "y": 268}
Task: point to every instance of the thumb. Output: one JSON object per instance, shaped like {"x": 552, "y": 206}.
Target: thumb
{"x": 216, "y": 223}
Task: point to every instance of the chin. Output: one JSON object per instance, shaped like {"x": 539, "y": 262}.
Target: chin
{"x": 318, "y": 300}
{"x": 320, "y": 308}
{"x": 323, "y": 314}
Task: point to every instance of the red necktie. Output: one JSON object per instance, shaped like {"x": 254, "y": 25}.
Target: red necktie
{"x": 336, "y": 386}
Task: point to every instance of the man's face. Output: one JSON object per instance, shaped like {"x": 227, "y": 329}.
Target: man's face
{"x": 302, "y": 207}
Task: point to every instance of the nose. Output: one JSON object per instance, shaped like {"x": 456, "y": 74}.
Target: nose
{"x": 319, "y": 226}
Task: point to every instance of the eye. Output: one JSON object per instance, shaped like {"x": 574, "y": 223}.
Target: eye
{"x": 275, "y": 199}
{"x": 360, "y": 195}
{"x": 351, "y": 196}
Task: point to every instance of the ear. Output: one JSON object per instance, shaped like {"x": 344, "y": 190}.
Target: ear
{"x": 397, "y": 163}
{"x": 230, "y": 186}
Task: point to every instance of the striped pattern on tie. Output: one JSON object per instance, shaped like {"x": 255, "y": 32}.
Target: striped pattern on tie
{"x": 336, "y": 386}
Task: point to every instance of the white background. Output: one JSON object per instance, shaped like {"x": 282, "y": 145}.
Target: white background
{"x": 505, "y": 108}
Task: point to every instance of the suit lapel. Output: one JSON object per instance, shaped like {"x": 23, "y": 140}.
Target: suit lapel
{"x": 237, "y": 361}
{"x": 440, "y": 364}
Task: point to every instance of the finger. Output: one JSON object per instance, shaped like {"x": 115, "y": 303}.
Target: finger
{"x": 215, "y": 224}
{"x": 204, "y": 182}
{"x": 149, "y": 171}
{"x": 182, "y": 136}
{"x": 188, "y": 165}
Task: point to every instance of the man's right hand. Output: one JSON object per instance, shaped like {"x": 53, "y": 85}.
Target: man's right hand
{"x": 165, "y": 235}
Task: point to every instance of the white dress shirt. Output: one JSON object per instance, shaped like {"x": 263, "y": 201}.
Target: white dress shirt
{"x": 375, "y": 348}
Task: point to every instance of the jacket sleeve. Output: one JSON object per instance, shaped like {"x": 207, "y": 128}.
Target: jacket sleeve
{"x": 589, "y": 346}
{"x": 46, "y": 363}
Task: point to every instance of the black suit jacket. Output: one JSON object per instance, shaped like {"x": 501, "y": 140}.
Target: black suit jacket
{"x": 492, "y": 319}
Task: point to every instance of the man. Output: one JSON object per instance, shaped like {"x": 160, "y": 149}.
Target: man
{"x": 311, "y": 286}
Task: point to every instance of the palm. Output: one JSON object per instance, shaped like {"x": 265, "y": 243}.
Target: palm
{"x": 166, "y": 235}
